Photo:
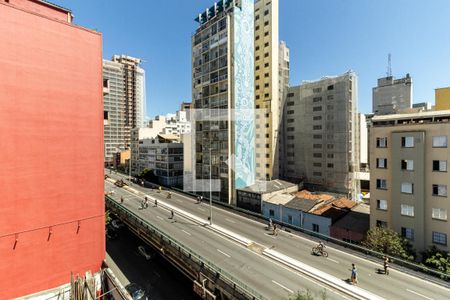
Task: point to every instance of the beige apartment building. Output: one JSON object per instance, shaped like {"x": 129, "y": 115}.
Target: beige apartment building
{"x": 271, "y": 80}
{"x": 409, "y": 176}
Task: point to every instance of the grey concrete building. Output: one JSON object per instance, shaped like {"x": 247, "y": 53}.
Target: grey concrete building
{"x": 409, "y": 176}
{"x": 392, "y": 95}
{"x": 320, "y": 128}
{"x": 124, "y": 102}
{"x": 162, "y": 154}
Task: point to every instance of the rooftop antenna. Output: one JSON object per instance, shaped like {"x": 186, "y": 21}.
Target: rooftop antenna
{"x": 389, "y": 67}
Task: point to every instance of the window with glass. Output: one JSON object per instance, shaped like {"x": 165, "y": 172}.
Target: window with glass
{"x": 439, "y": 213}
{"x": 407, "y": 141}
{"x": 440, "y": 141}
{"x": 439, "y": 238}
{"x": 315, "y": 227}
{"x": 407, "y": 210}
{"x": 407, "y": 165}
{"x": 381, "y": 224}
{"x": 440, "y": 165}
{"x": 407, "y": 188}
{"x": 408, "y": 233}
{"x": 381, "y": 184}
{"x": 440, "y": 190}
{"x": 382, "y": 142}
{"x": 382, "y": 204}
{"x": 381, "y": 163}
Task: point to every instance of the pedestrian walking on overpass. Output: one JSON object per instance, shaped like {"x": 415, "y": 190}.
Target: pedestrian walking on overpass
{"x": 145, "y": 202}
{"x": 386, "y": 265}
{"x": 121, "y": 199}
{"x": 171, "y": 213}
{"x": 354, "y": 275}
{"x": 156, "y": 202}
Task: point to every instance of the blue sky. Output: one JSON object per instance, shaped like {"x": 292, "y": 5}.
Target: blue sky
{"x": 326, "y": 37}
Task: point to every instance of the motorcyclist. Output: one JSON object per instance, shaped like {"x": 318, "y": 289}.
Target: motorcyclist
{"x": 320, "y": 246}
{"x": 169, "y": 195}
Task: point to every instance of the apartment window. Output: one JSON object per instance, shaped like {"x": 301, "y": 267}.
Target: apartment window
{"x": 407, "y": 165}
{"x": 266, "y": 44}
{"x": 317, "y": 127}
{"x": 317, "y": 99}
{"x": 290, "y": 154}
{"x": 330, "y": 146}
{"x": 317, "y": 165}
{"x": 266, "y": 75}
{"x": 317, "y": 146}
{"x": 257, "y": 17}
{"x": 315, "y": 227}
{"x": 257, "y": 37}
{"x": 257, "y": 87}
{"x": 317, "y": 118}
{"x": 440, "y": 141}
{"x": 266, "y": 12}
{"x": 257, "y": 77}
{"x": 439, "y": 190}
{"x": 407, "y": 141}
{"x": 271, "y": 212}
{"x": 267, "y": 146}
{"x": 439, "y": 238}
{"x": 381, "y": 142}
{"x": 407, "y": 188}
{"x": 290, "y": 112}
{"x": 257, "y": 58}
{"x": 330, "y": 97}
{"x": 290, "y": 103}
{"x": 381, "y": 163}
{"x": 439, "y": 213}
{"x": 381, "y": 224}
{"x": 317, "y": 136}
{"x": 330, "y": 155}
{"x": 290, "y": 94}
{"x": 266, "y": 65}
{"x": 407, "y": 210}
{"x": 317, "y": 155}
{"x": 440, "y": 165}
{"x": 317, "y": 90}
{"x": 257, "y": 68}
{"x": 290, "y": 120}
{"x": 381, "y": 184}
{"x": 266, "y": 33}
{"x": 330, "y": 87}
{"x": 266, "y": 23}
{"x": 266, "y": 54}
{"x": 330, "y": 166}
{"x": 290, "y": 137}
{"x": 382, "y": 204}
{"x": 317, "y": 108}
{"x": 257, "y": 28}
{"x": 408, "y": 233}
{"x": 318, "y": 174}
{"x": 289, "y": 219}
{"x": 330, "y": 107}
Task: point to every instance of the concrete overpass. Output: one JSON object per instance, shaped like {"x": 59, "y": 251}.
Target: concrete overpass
{"x": 260, "y": 265}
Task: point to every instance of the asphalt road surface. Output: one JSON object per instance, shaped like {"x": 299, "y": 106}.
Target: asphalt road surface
{"x": 398, "y": 285}
{"x": 158, "y": 277}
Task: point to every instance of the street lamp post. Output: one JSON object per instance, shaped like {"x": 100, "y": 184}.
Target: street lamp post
{"x": 210, "y": 185}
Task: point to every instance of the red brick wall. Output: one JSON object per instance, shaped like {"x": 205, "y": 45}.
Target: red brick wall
{"x": 341, "y": 233}
{"x": 51, "y": 145}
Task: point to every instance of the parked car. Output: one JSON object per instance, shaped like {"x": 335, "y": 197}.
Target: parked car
{"x": 117, "y": 224}
{"x": 136, "y": 292}
{"x": 145, "y": 253}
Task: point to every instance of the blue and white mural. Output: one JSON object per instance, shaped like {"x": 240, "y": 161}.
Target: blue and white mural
{"x": 244, "y": 160}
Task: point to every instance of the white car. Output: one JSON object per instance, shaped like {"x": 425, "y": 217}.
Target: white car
{"x": 117, "y": 224}
{"x": 146, "y": 254}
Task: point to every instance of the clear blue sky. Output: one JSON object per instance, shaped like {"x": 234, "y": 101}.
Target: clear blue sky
{"x": 326, "y": 37}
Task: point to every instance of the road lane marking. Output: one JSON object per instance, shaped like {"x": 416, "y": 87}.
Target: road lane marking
{"x": 282, "y": 286}
{"x": 201, "y": 208}
{"x": 332, "y": 260}
{"x": 186, "y": 232}
{"x": 159, "y": 217}
{"x": 224, "y": 253}
{"x": 231, "y": 221}
{"x": 411, "y": 291}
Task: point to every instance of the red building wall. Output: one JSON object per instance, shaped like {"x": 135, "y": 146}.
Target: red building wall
{"x": 51, "y": 145}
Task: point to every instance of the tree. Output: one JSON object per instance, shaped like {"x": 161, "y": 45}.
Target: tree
{"x": 389, "y": 242}
{"x": 107, "y": 218}
{"x": 437, "y": 259}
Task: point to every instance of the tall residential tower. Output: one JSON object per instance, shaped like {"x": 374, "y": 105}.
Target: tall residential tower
{"x": 124, "y": 103}
{"x": 223, "y": 98}
{"x": 392, "y": 95}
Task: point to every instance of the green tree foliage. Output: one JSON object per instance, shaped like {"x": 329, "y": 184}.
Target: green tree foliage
{"x": 437, "y": 259}
{"x": 389, "y": 242}
{"x": 107, "y": 218}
